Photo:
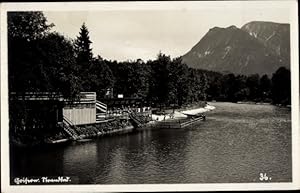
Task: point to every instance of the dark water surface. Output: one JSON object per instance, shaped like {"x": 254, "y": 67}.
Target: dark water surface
{"x": 236, "y": 143}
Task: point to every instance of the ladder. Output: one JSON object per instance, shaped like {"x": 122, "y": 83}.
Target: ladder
{"x": 134, "y": 118}
{"x": 102, "y": 107}
{"x": 102, "y": 110}
{"x": 69, "y": 128}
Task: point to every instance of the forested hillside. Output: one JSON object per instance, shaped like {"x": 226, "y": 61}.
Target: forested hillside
{"x": 45, "y": 61}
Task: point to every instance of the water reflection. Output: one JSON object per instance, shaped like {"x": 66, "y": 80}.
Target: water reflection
{"x": 80, "y": 159}
{"x": 235, "y": 144}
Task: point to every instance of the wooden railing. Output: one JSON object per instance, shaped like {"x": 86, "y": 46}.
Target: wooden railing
{"x": 36, "y": 96}
{"x": 88, "y": 96}
{"x": 84, "y": 97}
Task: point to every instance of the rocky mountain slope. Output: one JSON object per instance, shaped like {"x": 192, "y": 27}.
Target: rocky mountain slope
{"x": 275, "y": 36}
{"x": 258, "y": 47}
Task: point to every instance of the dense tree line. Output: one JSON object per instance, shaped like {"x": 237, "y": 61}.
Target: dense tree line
{"x": 40, "y": 60}
{"x": 44, "y": 61}
{"x": 161, "y": 82}
{"x": 231, "y": 87}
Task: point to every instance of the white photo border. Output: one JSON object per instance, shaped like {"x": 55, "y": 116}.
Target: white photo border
{"x": 89, "y": 6}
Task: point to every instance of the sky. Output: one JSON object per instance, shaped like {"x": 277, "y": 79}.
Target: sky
{"x": 129, "y": 31}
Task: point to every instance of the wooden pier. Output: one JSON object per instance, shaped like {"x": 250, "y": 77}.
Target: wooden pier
{"x": 177, "y": 124}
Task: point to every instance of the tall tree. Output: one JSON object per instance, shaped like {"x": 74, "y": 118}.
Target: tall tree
{"x": 214, "y": 82}
{"x": 242, "y": 91}
{"x": 39, "y": 60}
{"x": 229, "y": 87}
{"x": 252, "y": 83}
{"x": 25, "y": 29}
{"x": 56, "y": 58}
{"x": 178, "y": 82}
{"x": 101, "y": 77}
{"x": 197, "y": 85}
{"x": 84, "y": 57}
{"x": 83, "y": 46}
{"x": 265, "y": 87}
{"x": 281, "y": 86}
{"x": 138, "y": 79}
{"x": 29, "y": 25}
{"x": 131, "y": 78}
{"x": 160, "y": 76}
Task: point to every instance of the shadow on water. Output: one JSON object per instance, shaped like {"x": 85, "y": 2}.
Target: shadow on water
{"x": 236, "y": 143}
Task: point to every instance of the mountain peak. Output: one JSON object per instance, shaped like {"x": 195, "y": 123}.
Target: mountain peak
{"x": 258, "y": 47}
{"x": 215, "y": 29}
{"x": 220, "y": 28}
{"x": 262, "y": 23}
{"x": 275, "y": 36}
{"x": 232, "y": 27}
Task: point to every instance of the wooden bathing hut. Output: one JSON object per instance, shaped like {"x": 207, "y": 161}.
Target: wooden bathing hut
{"x": 52, "y": 118}
{"x": 45, "y": 114}
{"x": 83, "y": 111}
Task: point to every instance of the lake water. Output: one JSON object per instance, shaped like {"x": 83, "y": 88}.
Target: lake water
{"x": 236, "y": 143}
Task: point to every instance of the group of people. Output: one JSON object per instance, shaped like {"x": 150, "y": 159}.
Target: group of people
{"x": 125, "y": 110}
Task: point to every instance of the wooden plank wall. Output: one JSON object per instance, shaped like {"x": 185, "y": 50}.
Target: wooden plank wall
{"x": 80, "y": 115}
{"x": 83, "y": 112}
